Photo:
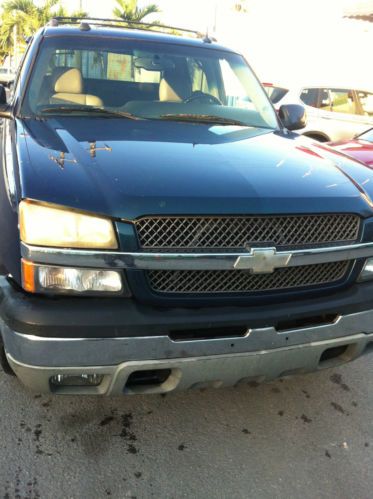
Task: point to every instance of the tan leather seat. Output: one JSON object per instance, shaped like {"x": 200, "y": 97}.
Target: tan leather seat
{"x": 69, "y": 88}
{"x": 174, "y": 86}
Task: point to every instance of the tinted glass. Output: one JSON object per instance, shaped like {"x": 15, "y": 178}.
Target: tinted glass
{"x": 276, "y": 93}
{"x": 310, "y": 96}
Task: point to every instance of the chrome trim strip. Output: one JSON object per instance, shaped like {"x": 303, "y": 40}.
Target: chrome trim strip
{"x": 189, "y": 261}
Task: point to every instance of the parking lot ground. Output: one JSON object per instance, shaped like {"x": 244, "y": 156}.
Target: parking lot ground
{"x": 308, "y": 436}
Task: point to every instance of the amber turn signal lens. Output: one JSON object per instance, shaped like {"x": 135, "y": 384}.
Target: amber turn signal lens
{"x": 28, "y": 276}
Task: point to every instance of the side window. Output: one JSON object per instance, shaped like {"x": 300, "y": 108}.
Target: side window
{"x": 275, "y": 93}
{"x": 324, "y": 99}
{"x": 310, "y": 96}
{"x": 366, "y": 101}
{"x": 342, "y": 101}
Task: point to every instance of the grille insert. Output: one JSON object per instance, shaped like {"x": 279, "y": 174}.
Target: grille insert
{"x": 242, "y": 281}
{"x": 238, "y": 232}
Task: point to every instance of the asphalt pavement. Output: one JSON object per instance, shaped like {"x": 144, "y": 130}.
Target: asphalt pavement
{"x": 304, "y": 437}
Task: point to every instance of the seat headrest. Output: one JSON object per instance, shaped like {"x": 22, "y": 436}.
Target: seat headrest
{"x": 174, "y": 86}
{"x": 70, "y": 82}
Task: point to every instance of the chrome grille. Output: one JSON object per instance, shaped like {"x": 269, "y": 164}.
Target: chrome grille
{"x": 242, "y": 281}
{"x": 238, "y": 232}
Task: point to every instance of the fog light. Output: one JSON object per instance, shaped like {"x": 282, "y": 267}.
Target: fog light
{"x": 367, "y": 272}
{"x": 41, "y": 278}
{"x": 76, "y": 379}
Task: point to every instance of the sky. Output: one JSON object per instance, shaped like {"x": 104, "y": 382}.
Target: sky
{"x": 282, "y": 39}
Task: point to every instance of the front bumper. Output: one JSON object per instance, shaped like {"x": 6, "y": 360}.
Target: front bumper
{"x": 45, "y": 337}
{"x": 263, "y": 354}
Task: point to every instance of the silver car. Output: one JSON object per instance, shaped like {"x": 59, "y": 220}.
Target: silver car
{"x": 6, "y": 76}
{"x": 334, "y": 113}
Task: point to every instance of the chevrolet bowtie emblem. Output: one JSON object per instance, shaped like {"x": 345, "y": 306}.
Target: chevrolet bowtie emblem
{"x": 262, "y": 260}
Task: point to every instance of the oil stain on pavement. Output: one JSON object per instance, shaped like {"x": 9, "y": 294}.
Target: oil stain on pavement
{"x": 294, "y": 437}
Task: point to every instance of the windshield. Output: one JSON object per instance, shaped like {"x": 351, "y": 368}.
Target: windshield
{"x": 368, "y": 136}
{"x": 132, "y": 78}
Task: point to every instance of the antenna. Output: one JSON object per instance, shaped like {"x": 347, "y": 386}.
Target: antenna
{"x": 206, "y": 38}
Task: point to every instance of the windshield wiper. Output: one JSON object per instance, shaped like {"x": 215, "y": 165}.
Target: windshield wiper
{"x": 202, "y": 118}
{"x": 89, "y": 109}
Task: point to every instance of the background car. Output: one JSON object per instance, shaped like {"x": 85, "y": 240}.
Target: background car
{"x": 334, "y": 113}
{"x": 6, "y": 76}
{"x": 361, "y": 147}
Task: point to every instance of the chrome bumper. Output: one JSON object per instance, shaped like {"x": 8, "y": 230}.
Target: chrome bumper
{"x": 263, "y": 354}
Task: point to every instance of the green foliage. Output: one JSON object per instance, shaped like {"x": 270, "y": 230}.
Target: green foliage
{"x": 128, "y": 10}
{"x": 27, "y": 17}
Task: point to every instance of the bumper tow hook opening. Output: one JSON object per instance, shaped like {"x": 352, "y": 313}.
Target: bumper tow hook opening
{"x": 336, "y": 355}
{"x": 140, "y": 380}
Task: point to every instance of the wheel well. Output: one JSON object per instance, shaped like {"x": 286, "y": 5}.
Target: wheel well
{"x": 320, "y": 137}
{"x": 4, "y": 361}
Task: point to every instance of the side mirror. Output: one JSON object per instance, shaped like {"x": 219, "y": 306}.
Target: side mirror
{"x": 293, "y": 116}
{"x": 5, "y": 109}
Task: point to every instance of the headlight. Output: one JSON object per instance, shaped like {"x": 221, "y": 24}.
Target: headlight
{"x": 367, "y": 272}
{"x": 44, "y": 225}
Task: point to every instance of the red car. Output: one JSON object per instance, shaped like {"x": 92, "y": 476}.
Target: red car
{"x": 361, "y": 147}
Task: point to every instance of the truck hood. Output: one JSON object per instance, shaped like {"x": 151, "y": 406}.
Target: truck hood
{"x": 126, "y": 169}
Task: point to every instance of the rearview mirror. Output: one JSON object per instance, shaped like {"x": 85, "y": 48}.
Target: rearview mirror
{"x": 154, "y": 63}
{"x": 293, "y": 116}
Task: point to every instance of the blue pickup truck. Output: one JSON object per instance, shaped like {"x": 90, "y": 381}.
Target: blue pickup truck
{"x": 162, "y": 228}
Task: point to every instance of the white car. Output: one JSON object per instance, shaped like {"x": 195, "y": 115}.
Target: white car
{"x": 334, "y": 113}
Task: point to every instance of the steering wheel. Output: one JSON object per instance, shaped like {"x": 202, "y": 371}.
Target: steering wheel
{"x": 202, "y": 96}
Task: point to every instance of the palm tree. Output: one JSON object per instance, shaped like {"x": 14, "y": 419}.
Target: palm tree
{"x": 128, "y": 10}
{"x": 23, "y": 17}
{"x": 240, "y": 6}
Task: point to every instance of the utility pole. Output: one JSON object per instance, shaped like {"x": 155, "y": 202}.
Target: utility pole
{"x": 215, "y": 17}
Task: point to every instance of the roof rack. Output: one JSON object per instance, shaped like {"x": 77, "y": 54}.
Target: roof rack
{"x": 85, "y": 23}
